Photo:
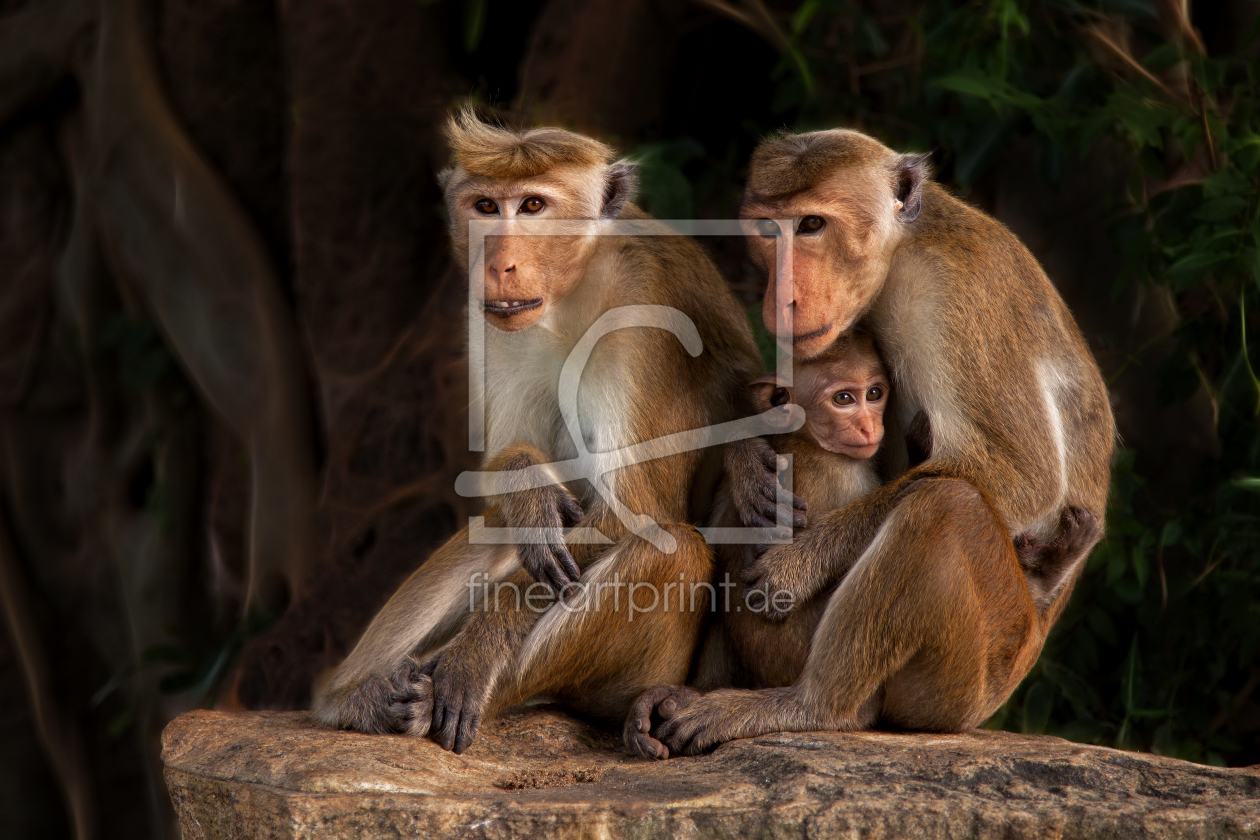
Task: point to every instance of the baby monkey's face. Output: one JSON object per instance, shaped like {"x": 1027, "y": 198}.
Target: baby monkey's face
{"x": 843, "y": 393}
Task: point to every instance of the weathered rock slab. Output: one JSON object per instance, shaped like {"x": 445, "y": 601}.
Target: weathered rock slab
{"x": 539, "y": 773}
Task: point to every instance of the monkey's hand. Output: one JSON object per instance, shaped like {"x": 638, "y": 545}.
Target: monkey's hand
{"x": 462, "y": 683}
{"x": 782, "y": 578}
{"x": 752, "y": 469}
{"x": 550, "y": 509}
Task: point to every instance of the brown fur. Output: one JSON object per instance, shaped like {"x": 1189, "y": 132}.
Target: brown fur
{"x": 639, "y": 384}
{"x": 933, "y": 620}
{"x": 501, "y": 154}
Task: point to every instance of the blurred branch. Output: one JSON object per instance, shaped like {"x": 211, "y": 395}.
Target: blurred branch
{"x": 1112, "y": 45}
{"x": 171, "y": 228}
{"x": 753, "y": 15}
{"x": 56, "y": 729}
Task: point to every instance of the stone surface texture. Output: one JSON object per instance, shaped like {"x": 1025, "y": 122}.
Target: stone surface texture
{"x": 538, "y": 773}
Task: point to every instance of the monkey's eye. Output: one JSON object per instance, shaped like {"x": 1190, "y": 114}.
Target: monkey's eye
{"x": 766, "y": 227}
{"x": 811, "y": 224}
{"x": 875, "y": 394}
{"x": 780, "y": 396}
{"x": 486, "y": 206}
{"x": 843, "y": 398}
{"x": 532, "y": 204}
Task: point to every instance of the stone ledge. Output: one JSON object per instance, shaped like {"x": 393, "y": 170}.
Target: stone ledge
{"x": 539, "y": 773}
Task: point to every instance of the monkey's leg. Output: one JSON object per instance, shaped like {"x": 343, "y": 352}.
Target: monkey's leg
{"x": 911, "y": 635}
{"x": 379, "y": 687}
{"x": 632, "y": 622}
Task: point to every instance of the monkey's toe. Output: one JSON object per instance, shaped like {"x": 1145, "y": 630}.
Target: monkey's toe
{"x": 1079, "y": 528}
{"x": 690, "y": 734}
{"x": 677, "y": 700}
{"x": 643, "y": 745}
{"x": 411, "y": 709}
{"x": 637, "y": 731}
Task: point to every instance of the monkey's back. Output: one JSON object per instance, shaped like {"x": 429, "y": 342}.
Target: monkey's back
{"x": 997, "y": 351}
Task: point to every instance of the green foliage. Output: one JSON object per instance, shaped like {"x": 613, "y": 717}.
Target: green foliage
{"x": 664, "y": 190}
{"x": 1159, "y": 645}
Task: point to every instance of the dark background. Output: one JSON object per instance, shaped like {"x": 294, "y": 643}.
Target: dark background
{"x": 1118, "y": 139}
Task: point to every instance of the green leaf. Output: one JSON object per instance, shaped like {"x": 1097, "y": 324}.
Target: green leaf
{"x": 1220, "y": 209}
{"x": 1140, "y": 566}
{"x": 1196, "y": 264}
{"x": 973, "y": 83}
{"x": 474, "y": 23}
{"x": 1250, "y": 484}
{"x": 1171, "y": 534}
{"x": 803, "y": 15}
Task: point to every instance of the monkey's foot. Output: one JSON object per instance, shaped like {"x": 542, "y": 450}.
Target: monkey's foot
{"x": 651, "y": 708}
{"x": 461, "y": 695}
{"x": 403, "y": 703}
{"x": 1078, "y": 530}
{"x": 697, "y": 723}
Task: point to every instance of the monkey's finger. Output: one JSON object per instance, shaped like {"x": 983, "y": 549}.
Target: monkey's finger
{"x": 429, "y": 667}
{"x": 539, "y": 561}
{"x": 450, "y": 727}
{"x": 552, "y": 571}
{"x": 567, "y": 563}
{"x": 468, "y": 725}
{"x": 439, "y": 707}
{"x": 556, "y": 579}
{"x": 571, "y": 512}
{"x": 766, "y": 454}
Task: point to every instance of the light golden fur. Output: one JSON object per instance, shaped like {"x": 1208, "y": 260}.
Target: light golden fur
{"x": 638, "y": 384}
{"x": 932, "y": 618}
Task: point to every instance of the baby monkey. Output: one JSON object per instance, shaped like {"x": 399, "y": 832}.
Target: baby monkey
{"x": 845, "y": 394}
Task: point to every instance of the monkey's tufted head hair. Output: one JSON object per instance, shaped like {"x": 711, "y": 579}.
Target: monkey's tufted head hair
{"x": 785, "y": 164}
{"x": 495, "y": 152}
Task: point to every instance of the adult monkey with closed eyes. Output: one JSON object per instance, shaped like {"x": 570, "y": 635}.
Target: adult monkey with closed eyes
{"x": 977, "y": 338}
{"x": 451, "y": 647}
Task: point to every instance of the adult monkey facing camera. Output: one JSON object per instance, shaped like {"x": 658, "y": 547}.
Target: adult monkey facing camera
{"x": 438, "y": 657}
{"x": 978, "y": 339}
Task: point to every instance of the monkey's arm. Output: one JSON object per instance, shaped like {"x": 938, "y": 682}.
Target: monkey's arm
{"x": 823, "y": 553}
{"x": 551, "y": 508}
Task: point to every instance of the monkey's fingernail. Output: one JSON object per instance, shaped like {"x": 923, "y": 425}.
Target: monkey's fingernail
{"x": 780, "y": 463}
{"x": 799, "y": 520}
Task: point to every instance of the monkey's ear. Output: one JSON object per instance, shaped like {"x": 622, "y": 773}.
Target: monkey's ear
{"x": 444, "y": 177}
{"x": 621, "y": 184}
{"x": 909, "y": 173}
{"x": 767, "y": 393}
